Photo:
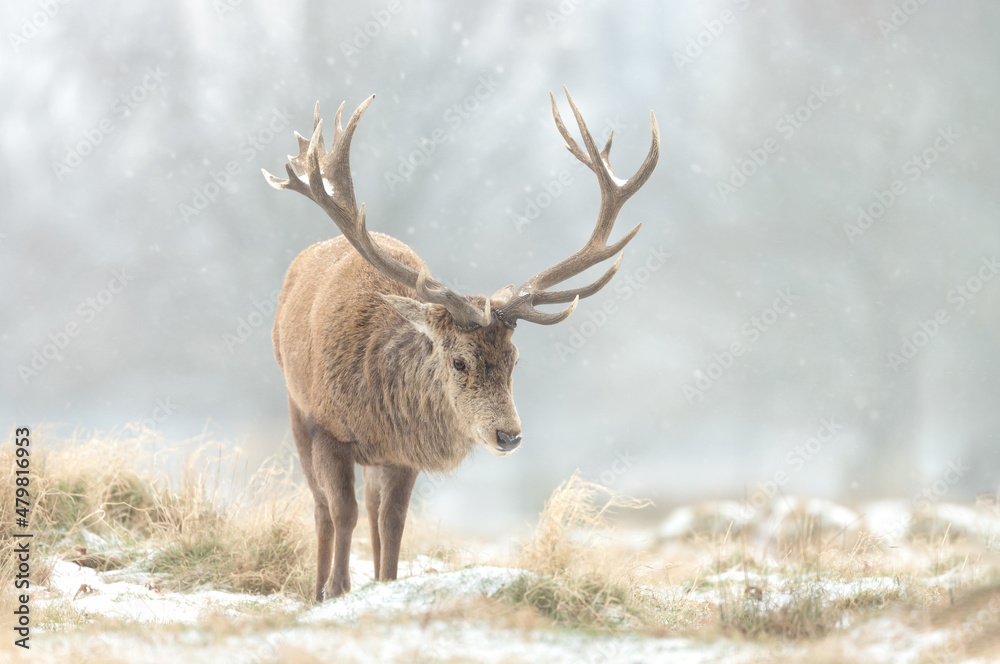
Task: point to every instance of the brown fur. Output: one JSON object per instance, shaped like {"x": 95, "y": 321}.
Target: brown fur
{"x": 371, "y": 380}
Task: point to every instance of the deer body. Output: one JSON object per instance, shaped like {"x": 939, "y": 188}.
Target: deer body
{"x": 362, "y": 372}
{"x": 391, "y": 370}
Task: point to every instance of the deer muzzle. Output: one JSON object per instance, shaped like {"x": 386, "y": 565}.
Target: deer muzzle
{"x": 508, "y": 441}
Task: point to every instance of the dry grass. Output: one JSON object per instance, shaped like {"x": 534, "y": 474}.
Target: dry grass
{"x": 108, "y": 501}
{"x": 806, "y": 583}
{"x": 575, "y": 579}
{"x": 207, "y": 521}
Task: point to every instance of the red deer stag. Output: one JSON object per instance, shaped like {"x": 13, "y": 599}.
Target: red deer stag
{"x": 388, "y": 368}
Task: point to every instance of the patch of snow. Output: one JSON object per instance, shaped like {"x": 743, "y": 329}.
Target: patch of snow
{"x": 731, "y": 510}
{"x": 970, "y": 521}
{"x": 715, "y": 516}
{"x": 779, "y": 590}
{"x": 413, "y": 594}
{"x": 888, "y": 640}
{"x": 848, "y": 589}
{"x": 888, "y": 519}
{"x": 957, "y": 577}
{"x": 678, "y": 523}
{"x": 89, "y": 592}
{"x": 410, "y": 641}
{"x": 829, "y": 514}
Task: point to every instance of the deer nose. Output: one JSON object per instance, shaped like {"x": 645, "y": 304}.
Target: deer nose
{"x": 507, "y": 441}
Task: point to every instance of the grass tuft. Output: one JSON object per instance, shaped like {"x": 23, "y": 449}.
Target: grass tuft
{"x": 572, "y": 580}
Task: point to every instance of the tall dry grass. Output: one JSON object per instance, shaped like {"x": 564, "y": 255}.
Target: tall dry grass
{"x": 576, "y": 577}
{"x": 129, "y": 501}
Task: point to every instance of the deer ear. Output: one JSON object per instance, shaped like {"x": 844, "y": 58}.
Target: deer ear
{"x": 416, "y": 313}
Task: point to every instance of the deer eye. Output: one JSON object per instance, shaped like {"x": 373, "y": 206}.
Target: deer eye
{"x": 460, "y": 365}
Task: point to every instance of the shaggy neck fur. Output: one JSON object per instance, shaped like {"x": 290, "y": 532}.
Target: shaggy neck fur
{"x": 415, "y": 426}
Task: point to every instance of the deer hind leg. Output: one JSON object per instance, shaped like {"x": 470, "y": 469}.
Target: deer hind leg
{"x": 333, "y": 462}
{"x": 392, "y": 487}
{"x": 324, "y": 524}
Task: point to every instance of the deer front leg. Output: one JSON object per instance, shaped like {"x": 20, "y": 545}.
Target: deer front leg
{"x": 373, "y": 499}
{"x": 324, "y": 552}
{"x": 396, "y": 487}
{"x": 334, "y": 467}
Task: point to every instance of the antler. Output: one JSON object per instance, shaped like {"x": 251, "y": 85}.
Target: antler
{"x": 325, "y": 178}
{"x": 520, "y": 303}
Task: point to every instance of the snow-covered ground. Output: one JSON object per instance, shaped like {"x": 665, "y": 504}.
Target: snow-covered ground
{"x": 378, "y": 622}
{"x": 396, "y": 623}
{"x": 142, "y": 601}
{"x": 435, "y": 611}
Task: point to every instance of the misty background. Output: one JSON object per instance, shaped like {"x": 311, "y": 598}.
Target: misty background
{"x": 812, "y": 300}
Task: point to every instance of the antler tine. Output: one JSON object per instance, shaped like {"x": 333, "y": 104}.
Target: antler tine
{"x": 317, "y": 121}
{"x": 542, "y": 318}
{"x": 303, "y": 144}
{"x": 338, "y": 129}
{"x": 649, "y": 163}
{"x": 325, "y": 177}
{"x": 606, "y": 151}
{"x": 571, "y": 143}
{"x": 596, "y": 163}
{"x": 558, "y": 297}
{"x": 317, "y": 183}
{"x": 337, "y": 163}
{"x": 614, "y": 193}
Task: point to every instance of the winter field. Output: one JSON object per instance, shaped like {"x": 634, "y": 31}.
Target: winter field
{"x": 136, "y": 558}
